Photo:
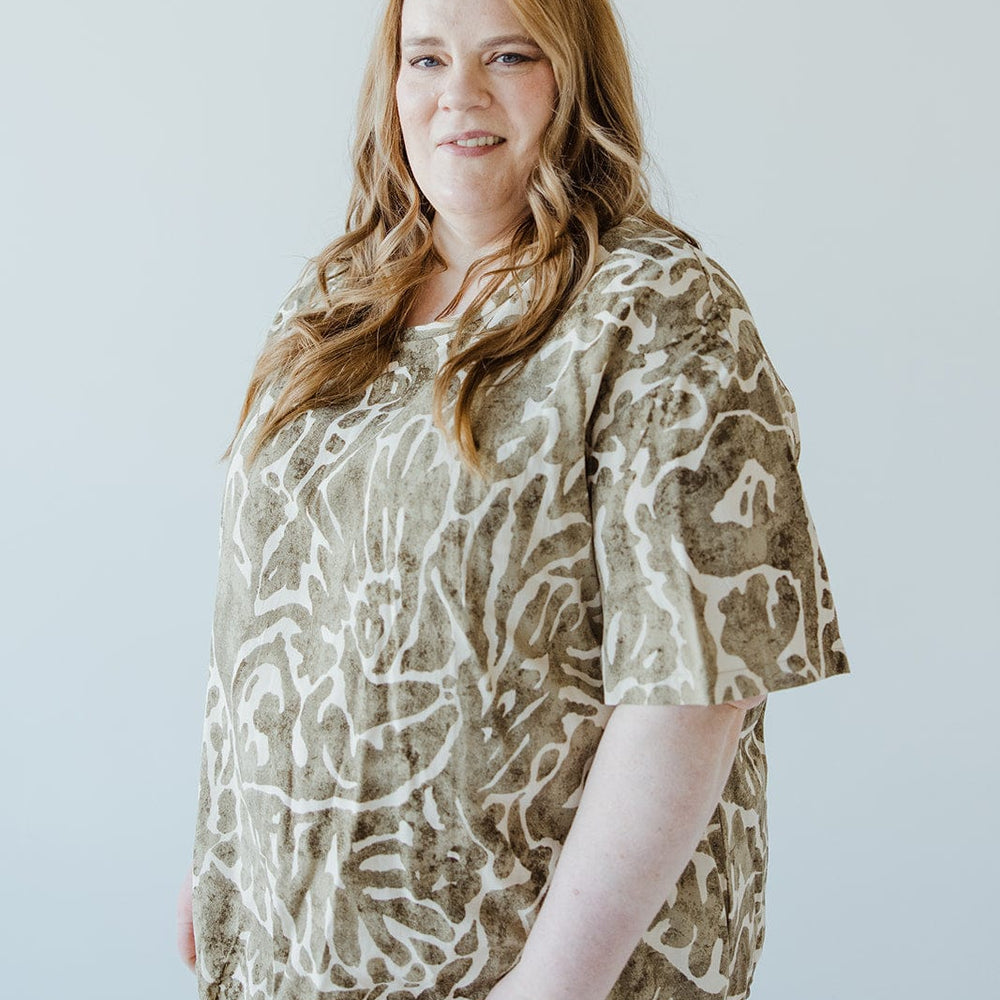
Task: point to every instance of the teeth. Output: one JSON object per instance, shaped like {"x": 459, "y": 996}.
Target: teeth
{"x": 485, "y": 140}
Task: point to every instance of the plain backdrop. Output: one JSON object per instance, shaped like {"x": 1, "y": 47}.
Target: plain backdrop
{"x": 167, "y": 168}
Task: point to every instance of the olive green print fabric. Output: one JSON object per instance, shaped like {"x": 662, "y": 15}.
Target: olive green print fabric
{"x": 412, "y": 666}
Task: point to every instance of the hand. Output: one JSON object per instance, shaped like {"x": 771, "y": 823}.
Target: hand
{"x": 185, "y": 925}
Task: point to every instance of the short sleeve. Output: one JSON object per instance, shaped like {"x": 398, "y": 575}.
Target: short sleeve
{"x": 713, "y": 586}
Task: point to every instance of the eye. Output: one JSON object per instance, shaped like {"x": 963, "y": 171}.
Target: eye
{"x": 424, "y": 62}
{"x": 512, "y": 58}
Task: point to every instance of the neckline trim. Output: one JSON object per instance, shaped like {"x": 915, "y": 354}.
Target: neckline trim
{"x": 435, "y": 328}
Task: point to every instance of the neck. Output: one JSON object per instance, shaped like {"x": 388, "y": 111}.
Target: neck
{"x": 462, "y": 244}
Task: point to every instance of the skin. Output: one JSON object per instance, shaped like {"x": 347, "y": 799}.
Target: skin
{"x": 659, "y": 770}
{"x": 469, "y": 65}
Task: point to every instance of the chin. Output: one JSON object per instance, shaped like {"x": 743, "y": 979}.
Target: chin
{"x": 466, "y": 209}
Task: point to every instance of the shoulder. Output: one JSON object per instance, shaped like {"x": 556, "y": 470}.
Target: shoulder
{"x": 666, "y": 273}
{"x": 661, "y": 297}
{"x": 674, "y": 324}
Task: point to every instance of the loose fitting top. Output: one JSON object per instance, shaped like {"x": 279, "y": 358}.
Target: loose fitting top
{"x": 412, "y": 665}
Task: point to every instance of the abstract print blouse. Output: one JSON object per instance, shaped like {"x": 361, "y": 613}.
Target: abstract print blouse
{"x": 412, "y": 665}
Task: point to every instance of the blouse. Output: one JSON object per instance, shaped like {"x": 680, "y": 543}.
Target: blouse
{"x": 412, "y": 664}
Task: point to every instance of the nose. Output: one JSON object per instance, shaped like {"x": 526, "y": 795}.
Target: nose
{"x": 465, "y": 87}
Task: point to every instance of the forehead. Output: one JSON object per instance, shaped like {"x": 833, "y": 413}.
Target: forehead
{"x": 426, "y": 18}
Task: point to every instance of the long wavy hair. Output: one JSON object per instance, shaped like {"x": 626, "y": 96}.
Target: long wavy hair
{"x": 589, "y": 178}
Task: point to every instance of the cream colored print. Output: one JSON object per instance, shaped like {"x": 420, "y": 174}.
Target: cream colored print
{"x": 412, "y": 667}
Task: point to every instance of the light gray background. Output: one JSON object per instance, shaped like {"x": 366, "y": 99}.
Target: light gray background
{"x": 165, "y": 170}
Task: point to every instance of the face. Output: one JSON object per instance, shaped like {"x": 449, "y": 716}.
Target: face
{"x": 474, "y": 95}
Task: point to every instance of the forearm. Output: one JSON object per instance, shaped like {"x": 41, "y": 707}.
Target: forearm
{"x": 657, "y": 776}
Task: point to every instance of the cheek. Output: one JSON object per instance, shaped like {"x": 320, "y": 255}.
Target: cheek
{"x": 542, "y": 105}
{"x": 413, "y": 102}
{"x": 404, "y": 110}
{"x": 401, "y": 107}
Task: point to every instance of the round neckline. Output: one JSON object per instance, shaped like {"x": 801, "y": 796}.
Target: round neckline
{"x": 439, "y": 327}
{"x": 435, "y": 328}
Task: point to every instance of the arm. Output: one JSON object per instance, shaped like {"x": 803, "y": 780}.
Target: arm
{"x": 657, "y": 776}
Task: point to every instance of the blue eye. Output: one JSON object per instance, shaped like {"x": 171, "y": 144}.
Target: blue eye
{"x": 511, "y": 58}
{"x": 422, "y": 60}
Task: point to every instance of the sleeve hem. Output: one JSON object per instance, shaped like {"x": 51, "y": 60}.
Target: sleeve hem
{"x": 661, "y": 695}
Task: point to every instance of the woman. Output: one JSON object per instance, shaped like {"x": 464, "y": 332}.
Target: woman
{"x": 513, "y": 504}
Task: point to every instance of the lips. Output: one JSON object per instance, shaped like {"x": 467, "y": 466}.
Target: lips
{"x": 472, "y": 139}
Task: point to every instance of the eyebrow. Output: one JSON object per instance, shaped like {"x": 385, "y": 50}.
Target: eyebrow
{"x": 486, "y": 43}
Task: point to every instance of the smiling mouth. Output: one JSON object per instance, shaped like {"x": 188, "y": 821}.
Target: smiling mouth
{"x": 483, "y": 140}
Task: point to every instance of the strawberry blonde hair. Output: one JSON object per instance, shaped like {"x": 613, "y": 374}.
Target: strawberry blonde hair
{"x": 589, "y": 177}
